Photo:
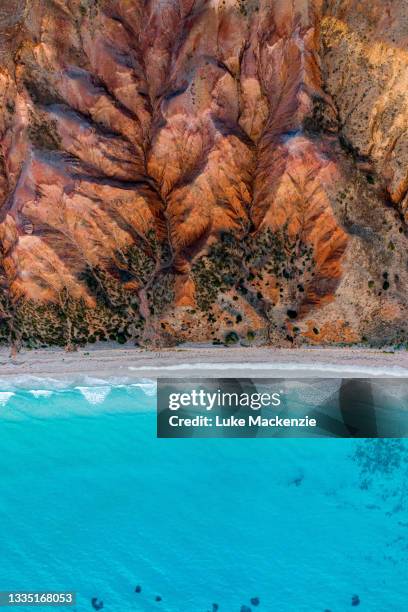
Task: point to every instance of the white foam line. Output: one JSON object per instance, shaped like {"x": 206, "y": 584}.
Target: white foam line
{"x": 5, "y": 396}
{"x": 94, "y": 395}
{"x": 44, "y": 387}
{"x": 41, "y": 392}
{"x": 341, "y": 370}
{"x": 149, "y": 387}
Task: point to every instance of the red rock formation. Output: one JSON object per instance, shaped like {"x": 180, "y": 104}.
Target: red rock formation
{"x": 214, "y": 171}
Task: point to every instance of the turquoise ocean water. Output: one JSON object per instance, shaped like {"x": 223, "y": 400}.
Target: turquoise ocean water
{"x": 91, "y": 501}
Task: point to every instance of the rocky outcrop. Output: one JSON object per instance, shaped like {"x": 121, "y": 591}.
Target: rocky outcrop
{"x": 220, "y": 171}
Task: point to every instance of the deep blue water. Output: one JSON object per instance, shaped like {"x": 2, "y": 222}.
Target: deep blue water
{"x": 91, "y": 501}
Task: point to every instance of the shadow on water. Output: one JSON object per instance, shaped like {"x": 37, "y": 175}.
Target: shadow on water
{"x": 356, "y": 404}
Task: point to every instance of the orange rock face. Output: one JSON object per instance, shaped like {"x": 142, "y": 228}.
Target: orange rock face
{"x": 224, "y": 170}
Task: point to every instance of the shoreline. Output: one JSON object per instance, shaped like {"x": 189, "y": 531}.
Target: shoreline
{"x": 132, "y": 363}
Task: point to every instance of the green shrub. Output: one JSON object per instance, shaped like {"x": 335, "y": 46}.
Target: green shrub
{"x": 231, "y": 338}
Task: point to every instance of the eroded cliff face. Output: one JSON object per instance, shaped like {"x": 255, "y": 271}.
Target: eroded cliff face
{"x": 225, "y": 170}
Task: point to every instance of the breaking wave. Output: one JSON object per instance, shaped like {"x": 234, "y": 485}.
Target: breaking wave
{"x": 318, "y": 369}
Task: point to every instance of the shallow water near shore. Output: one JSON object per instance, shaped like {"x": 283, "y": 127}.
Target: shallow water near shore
{"x": 91, "y": 501}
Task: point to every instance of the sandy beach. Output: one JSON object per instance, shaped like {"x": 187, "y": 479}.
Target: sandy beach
{"x": 131, "y": 363}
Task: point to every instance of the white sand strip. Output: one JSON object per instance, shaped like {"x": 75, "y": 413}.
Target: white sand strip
{"x": 104, "y": 362}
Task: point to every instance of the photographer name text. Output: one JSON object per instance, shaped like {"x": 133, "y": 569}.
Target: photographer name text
{"x": 247, "y": 421}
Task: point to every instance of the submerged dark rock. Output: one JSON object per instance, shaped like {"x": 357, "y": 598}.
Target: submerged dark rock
{"x": 96, "y": 604}
{"x": 255, "y": 600}
{"x": 138, "y": 589}
{"x": 158, "y": 598}
{"x": 355, "y": 600}
{"x": 297, "y": 481}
